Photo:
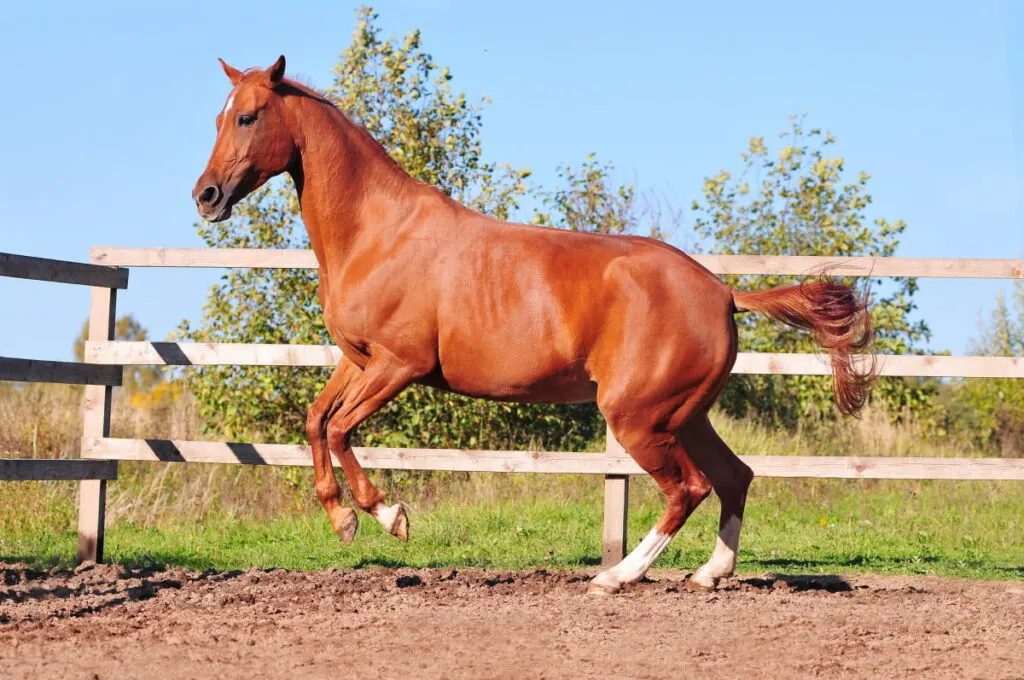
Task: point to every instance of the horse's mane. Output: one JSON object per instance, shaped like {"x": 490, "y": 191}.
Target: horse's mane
{"x": 300, "y": 86}
{"x": 296, "y": 87}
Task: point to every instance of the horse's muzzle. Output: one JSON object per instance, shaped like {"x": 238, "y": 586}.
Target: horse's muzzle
{"x": 211, "y": 201}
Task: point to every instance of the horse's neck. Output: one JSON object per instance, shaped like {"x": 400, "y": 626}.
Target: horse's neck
{"x": 347, "y": 184}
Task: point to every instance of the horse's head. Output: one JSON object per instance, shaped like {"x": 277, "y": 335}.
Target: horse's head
{"x": 254, "y": 141}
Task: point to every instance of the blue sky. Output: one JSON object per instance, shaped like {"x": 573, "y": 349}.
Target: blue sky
{"x": 108, "y": 118}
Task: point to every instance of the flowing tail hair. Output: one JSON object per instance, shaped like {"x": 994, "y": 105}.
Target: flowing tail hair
{"x": 840, "y": 322}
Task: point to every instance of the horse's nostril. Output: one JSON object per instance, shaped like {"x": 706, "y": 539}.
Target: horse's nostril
{"x": 209, "y": 195}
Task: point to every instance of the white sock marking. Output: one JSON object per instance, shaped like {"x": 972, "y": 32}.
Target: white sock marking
{"x": 636, "y": 563}
{"x": 386, "y": 514}
{"x": 723, "y": 559}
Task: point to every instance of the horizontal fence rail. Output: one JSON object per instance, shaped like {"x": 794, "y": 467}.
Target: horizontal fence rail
{"x": 32, "y": 469}
{"x": 264, "y": 258}
{"x": 68, "y": 372}
{"x": 754, "y": 363}
{"x": 61, "y": 271}
{"x": 550, "y": 462}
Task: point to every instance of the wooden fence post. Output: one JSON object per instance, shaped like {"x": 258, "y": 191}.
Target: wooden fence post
{"x": 92, "y": 493}
{"x": 616, "y": 510}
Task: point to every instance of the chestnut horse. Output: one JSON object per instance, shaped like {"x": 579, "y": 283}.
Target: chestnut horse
{"x": 417, "y": 288}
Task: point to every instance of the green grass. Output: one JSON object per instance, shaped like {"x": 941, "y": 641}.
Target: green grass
{"x": 960, "y": 529}
{"x": 240, "y": 516}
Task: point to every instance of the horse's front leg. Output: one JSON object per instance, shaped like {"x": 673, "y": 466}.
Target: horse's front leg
{"x": 379, "y": 382}
{"x": 344, "y": 520}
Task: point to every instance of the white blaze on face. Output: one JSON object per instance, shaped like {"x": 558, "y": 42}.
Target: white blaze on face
{"x": 229, "y": 103}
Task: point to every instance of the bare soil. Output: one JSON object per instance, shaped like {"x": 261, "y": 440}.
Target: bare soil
{"x": 108, "y": 621}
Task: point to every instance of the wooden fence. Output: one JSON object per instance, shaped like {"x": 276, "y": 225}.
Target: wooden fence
{"x": 614, "y": 464}
{"x": 99, "y": 379}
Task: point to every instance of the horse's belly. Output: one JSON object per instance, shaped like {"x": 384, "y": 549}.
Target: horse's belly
{"x": 504, "y": 379}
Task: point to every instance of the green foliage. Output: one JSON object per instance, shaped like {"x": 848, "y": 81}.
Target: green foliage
{"x": 588, "y": 199}
{"x": 588, "y": 202}
{"x": 991, "y": 410}
{"x": 258, "y": 306}
{"x": 405, "y": 100}
{"x": 136, "y": 379}
{"x": 798, "y": 202}
{"x": 396, "y": 91}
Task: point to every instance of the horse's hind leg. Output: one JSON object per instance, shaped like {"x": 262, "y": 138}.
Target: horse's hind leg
{"x": 730, "y": 477}
{"x": 664, "y": 458}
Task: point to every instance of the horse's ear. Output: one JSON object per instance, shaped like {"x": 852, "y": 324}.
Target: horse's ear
{"x": 233, "y": 74}
{"x": 276, "y": 72}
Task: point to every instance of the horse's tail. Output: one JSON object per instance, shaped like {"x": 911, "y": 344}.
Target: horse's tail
{"x": 840, "y": 322}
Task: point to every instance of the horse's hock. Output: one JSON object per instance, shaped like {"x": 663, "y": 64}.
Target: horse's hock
{"x": 104, "y": 359}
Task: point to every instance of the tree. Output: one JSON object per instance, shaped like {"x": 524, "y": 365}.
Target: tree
{"x": 589, "y": 200}
{"x": 993, "y": 408}
{"x": 137, "y": 379}
{"x": 798, "y": 202}
{"x": 395, "y": 90}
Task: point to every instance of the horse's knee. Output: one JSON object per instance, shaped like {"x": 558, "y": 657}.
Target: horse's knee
{"x": 337, "y": 435}
{"x": 315, "y": 423}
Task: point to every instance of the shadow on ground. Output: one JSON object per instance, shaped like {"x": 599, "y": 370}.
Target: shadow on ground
{"x": 913, "y": 565}
{"x": 831, "y": 583}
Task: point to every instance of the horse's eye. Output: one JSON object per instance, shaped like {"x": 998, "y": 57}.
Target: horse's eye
{"x": 245, "y": 120}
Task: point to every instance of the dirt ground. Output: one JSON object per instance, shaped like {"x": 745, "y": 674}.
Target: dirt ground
{"x": 110, "y": 622}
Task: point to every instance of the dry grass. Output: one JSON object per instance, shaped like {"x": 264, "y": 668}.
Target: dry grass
{"x": 43, "y": 421}
{"x": 40, "y": 421}
{"x": 873, "y": 434}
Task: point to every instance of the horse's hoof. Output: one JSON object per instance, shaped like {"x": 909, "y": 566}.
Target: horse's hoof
{"x": 347, "y": 526}
{"x": 603, "y": 587}
{"x": 394, "y": 519}
{"x": 598, "y": 590}
{"x": 400, "y": 527}
{"x": 700, "y": 586}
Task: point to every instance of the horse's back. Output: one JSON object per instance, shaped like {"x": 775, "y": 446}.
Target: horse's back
{"x": 535, "y": 313}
